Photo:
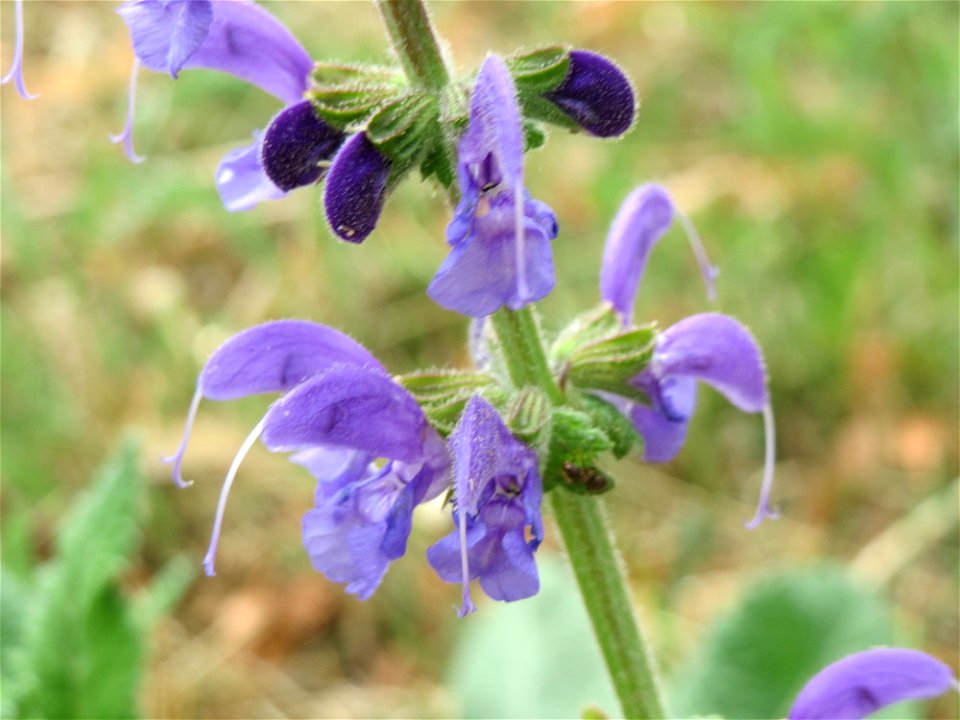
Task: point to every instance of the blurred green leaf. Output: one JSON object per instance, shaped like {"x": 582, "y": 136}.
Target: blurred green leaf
{"x": 81, "y": 650}
{"x": 756, "y": 658}
{"x": 532, "y": 659}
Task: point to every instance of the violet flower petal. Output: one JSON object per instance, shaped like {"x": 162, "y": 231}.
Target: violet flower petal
{"x": 241, "y": 181}
{"x": 596, "y": 95}
{"x": 355, "y": 189}
{"x": 860, "y": 684}
{"x": 295, "y": 145}
{"x": 664, "y": 425}
{"x": 491, "y": 150}
{"x": 15, "y": 72}
{"x": 480, "y": 276}
{"x": 248, "y": 42}
{"x": 278, "y": 356}
{"x": 719, "y": 351}
{"x": 348, "y": 406}
{"x": 166, "y": 34}
{"x": 642, "y": 220}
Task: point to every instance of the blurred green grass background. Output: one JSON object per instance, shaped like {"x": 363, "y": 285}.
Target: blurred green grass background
{"x": 815, "y": 147}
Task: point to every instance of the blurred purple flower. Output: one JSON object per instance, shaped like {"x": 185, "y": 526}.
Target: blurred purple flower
{"x": 500, "y": 237}
{"x": 362, "y": 436}
{"x": 860, "y": 684}
{"x": 16, "y": 69}
{"x": 498, "y": 495}
{"x": 239, "y": 38}
{"x": 596, "y": 95}
{"x": 712, "y": 348}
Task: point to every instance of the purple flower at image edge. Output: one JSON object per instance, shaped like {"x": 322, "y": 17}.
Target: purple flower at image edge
{"x": 709, "y": 347}
{"x": 858, "y": 685}
{"x": 239, "y": 38}
{"x": 498, "y": 492}
{"x": 362, "y": 436}
{"x": 500, "y": 237}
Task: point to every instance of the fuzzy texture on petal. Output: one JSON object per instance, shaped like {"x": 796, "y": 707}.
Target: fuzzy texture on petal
{"x": 480, "y": 275}
{"x": 295, "y": 144}
{"x": 596, "y": 95}
{"x": 718, "y": 350}
{"x": 278, "y": 356}
{"x": 241, "y": 181}
{"x": 861, "y": 684}
{"x": 498, "y": 496}
{"x": 356, "y": 189}
{"x": 166, "y": 33}
{"x": 491, "y": 150}
{"x": 348, "y": 406}
{"x": 642, "y": 220}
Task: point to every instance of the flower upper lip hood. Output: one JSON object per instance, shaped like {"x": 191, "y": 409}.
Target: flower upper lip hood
{"x": 860, "y": 684}
{"x": 500, "y": 237}
{"x": 342, "y": 413}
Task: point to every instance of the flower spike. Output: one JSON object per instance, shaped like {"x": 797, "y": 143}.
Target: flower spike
{"x": 16, "y": 70}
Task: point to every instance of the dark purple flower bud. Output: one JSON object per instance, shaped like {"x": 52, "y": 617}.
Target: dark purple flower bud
{"x": 16, "y": 70}
{"x": 860, "y": 684}
{"x": 498, "y": 495}
{"x": 356, "y": 188}
{"x": 296, "y": 145}
{"x": 596, "y": 95}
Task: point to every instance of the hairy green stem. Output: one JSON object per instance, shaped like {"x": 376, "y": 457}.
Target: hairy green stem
{"x": 519, "y": 335}
{"x": 411, "y": 31}
{"x": 599, "y": 574}
{"x": 587, "y": 539}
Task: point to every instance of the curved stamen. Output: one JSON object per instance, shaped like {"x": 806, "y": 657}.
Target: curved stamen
{"x": 764, "y": 509}
{"x": 125, "y": 136}
{"x": 709, "y": 272}
{"x": 209, "y": 558}
{"x": 16, "y": 70}
{"x": 467, "y": 607}
{"x": 177, "y": 457}
{"x": 520, "y": 234}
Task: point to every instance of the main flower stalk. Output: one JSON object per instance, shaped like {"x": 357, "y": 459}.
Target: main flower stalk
{"x": 587, "y": 537}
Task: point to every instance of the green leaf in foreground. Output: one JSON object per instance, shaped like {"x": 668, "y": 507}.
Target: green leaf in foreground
{"x": 755, "y": 659}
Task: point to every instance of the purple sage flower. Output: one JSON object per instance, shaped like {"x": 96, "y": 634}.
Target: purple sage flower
{"x": 242, "y": 39}
{"x": 860, "y": 684}
{"x": 498, "y": 495}
{"x": 16, "y": 69}
{"x": 362, "y": 436}
{"x": 500, "y": 236}
{"x": 596, "y": 95}
{"x": 711, "y": 348}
